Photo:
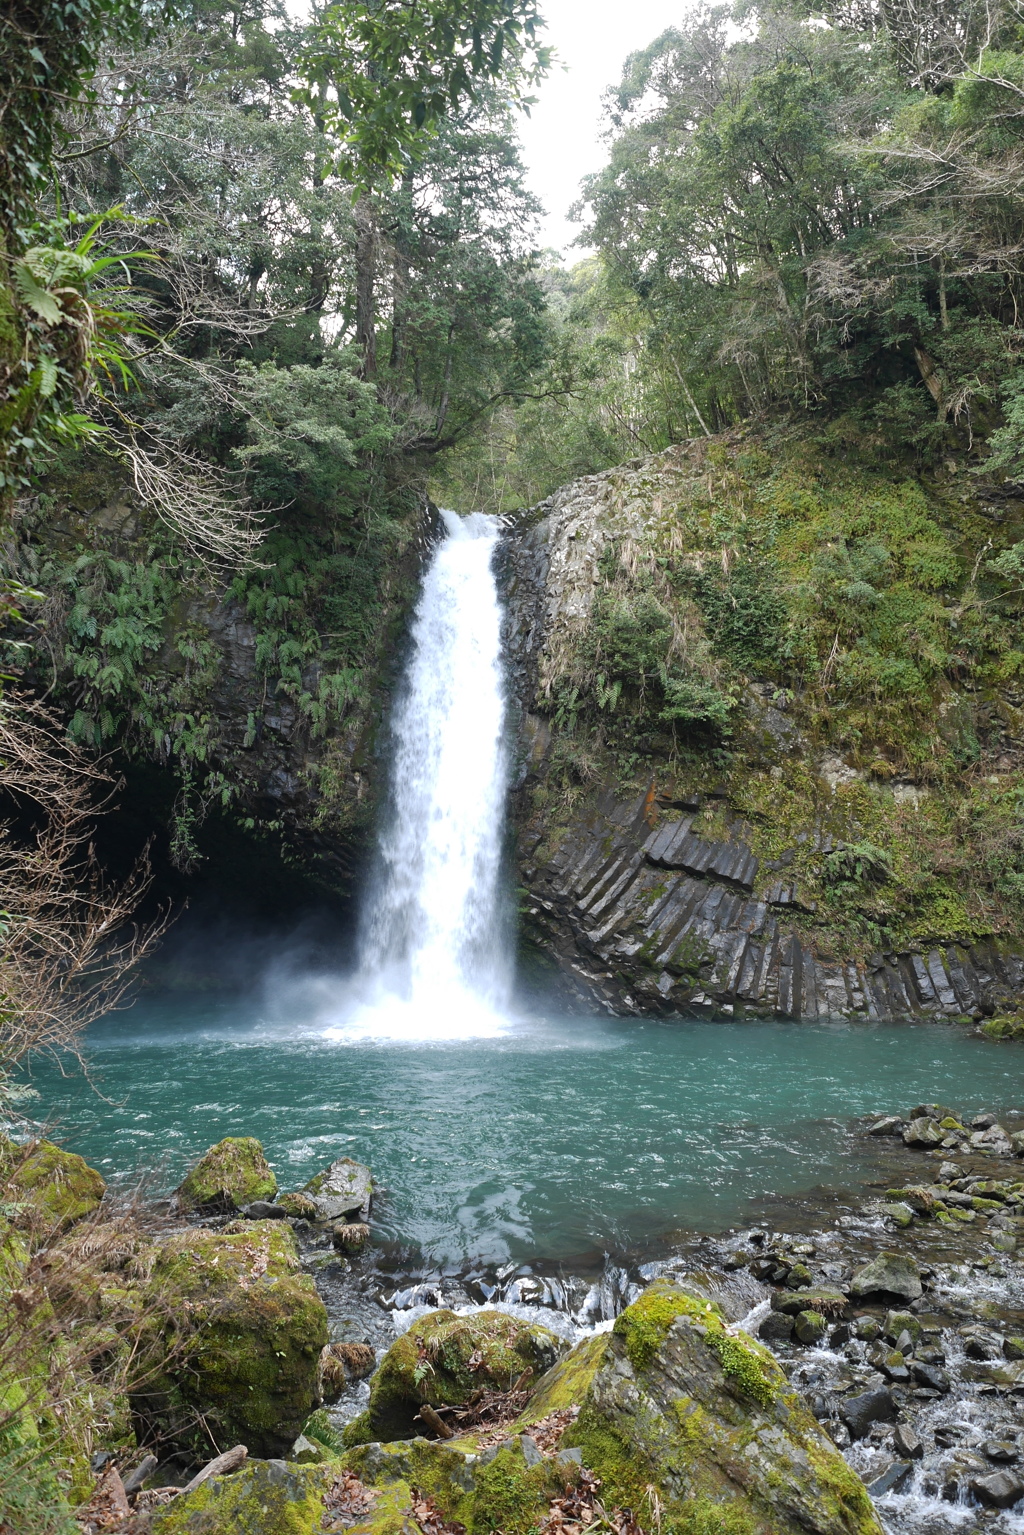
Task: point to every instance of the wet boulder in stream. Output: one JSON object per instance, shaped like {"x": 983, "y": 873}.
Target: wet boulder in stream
{"x": 888, "y": 1276}
{"x": 229, "y": 1176}
{"x": 343, "y": 1191}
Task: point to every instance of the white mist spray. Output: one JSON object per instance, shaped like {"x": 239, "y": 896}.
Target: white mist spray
{"x": 435, "y": 950}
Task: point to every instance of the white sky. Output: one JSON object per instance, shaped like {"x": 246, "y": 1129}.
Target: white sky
{"x": 561, "y": 142}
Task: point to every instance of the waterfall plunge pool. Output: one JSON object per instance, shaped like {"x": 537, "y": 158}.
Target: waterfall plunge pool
{"x": 555, "y": 1140}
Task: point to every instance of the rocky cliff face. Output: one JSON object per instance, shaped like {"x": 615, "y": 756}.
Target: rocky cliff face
{"x": 259, "y": 690}
{"x": 766, "y": 871}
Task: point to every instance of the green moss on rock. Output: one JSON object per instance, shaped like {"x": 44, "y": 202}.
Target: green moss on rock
{"x": 391, "y": 1514}
{"x": 357, "y": 1431}
{"x": 52, "y": 1188}
{"x": 677, "y": 1401}
{"x": 230, "y": 1175}
{"x": 645, "y": 1325}
{"x": 509, "y": 1496}
{"x": 444, "y": 1358}
{"x": 264, "y": 1498}
{"x": 498, "y": 1491}
{"x": 233, "y": 1331}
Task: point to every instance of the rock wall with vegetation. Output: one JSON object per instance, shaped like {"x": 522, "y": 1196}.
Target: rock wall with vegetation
{"x": 258, "y": 692}
{"x": 772, "y": 735}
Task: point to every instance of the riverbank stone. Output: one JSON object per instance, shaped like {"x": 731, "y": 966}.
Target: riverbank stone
{"x": 264, "y": 1210}
{"x": 442, "y": 1360}
{"x": 350, "y": 1236}
{"x": 776, "y": 1327}
{"x": 265, "y": 1497}
{"x": 810, "y": 1326}
{"x": 888, "y": 1276}
{"x": 831, "y": 1303}
{"x": 507, "y": 1487}
{"x": 298, "y": 1207}
{"x": 677, "y": 1400}
{"x": 899, "y": 1322}
{"x": 999, "y": 1490}
{"x": 867, "y": 1407}
{"x": 924, "y": 1133}
{"x": 343, "y": 1190}
{"x": 231, "y": 1336}
{"x": 229, "y": 1176}
{"x": 51, "y": 1189}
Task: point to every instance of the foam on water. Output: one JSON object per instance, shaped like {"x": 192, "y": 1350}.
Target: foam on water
{"x": 434, "y": 959}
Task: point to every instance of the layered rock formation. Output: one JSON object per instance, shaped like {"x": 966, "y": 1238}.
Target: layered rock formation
{"x": 667, "y": 871}
{"x": 644, "y": 914}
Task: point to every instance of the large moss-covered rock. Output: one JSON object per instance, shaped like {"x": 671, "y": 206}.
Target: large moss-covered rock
{"x": 231, "y": 1174}
{"x": 264, "y": 1498}
{"x": 50, "y": 1188}
{"x": 233, "y": 1331}
{"x": 442, "y": 1359}
{"x": 676, "y": 1400}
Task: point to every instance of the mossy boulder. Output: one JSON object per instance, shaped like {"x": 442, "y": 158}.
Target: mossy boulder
{"x": 501, "y": 1488}
{"x": 263, "y": 1498}
{"x": 232, "y": 1332}
{"x": 676, "y": 1400}
{"x": 51, "y": 1189}
{"x": 228, "y": 1176}
{"x": 342, "y": 1191}
{"x": 443, "y": 1359}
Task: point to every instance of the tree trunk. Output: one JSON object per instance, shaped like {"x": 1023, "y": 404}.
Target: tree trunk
{"x": 932, "y": 379}
{"x": 366, "y": 271}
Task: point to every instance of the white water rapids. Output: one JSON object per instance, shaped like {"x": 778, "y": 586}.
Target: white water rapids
{"x": 434, "y": 957}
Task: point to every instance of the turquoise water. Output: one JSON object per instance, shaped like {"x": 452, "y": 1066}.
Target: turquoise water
{"x": 553, "y": 1140}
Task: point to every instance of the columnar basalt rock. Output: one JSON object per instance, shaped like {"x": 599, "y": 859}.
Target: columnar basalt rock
{"x": 645, "y": 915}
{"x": 650, "y": 895}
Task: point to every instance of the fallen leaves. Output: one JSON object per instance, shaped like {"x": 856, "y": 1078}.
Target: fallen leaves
{"x": 580, "y": 1510}
{"x": 346, "y": 1502}
{"x": 430, "y": 1518}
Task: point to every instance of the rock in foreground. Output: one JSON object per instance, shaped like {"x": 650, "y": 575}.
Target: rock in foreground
{"x": 676, "y": 1401}
{"x": 232, "y": 1338}
{"x": 264, "y": 1498}
{"x": 52, "y": 1188}
{"x": 232, "y": 1174}
{"x": 442, "y": 1360}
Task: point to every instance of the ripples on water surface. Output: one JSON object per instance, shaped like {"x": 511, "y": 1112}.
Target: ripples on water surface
{"x": 550, "y": 1140}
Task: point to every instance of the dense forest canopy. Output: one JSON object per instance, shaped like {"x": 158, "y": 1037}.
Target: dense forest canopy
{"x": 805, "y": 210}
{"x": 282, "y": 280}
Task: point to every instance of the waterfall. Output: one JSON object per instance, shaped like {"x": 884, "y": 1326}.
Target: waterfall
{"x": 435, "y": 951}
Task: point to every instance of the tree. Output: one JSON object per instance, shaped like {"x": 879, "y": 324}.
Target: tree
{"x": 67, "y": 949}
{"x": 382, "y": 76}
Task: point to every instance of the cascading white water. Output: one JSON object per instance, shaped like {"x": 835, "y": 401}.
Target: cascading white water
{"x": 435, "y": 951}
